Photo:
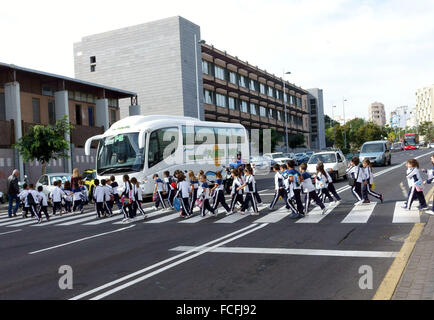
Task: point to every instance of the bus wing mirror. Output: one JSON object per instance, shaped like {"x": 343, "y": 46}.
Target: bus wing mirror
{"x": 142, "y": 139}
{"x": 89, "y": 142}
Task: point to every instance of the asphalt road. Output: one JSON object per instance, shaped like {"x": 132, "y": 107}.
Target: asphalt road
{"x": 241, "y": 257}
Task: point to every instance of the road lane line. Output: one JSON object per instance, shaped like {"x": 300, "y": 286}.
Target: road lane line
{"x": 174, "y": 264}
{"x": 360, "y": 213}
{"x": 107, "y": 285}
{"x": 80, "y": 240}
{"x": 388, "y": 285}
{"x": 299, "y": 252}
{"x": 401, "y": 215}
{"x": 3, "y": 233}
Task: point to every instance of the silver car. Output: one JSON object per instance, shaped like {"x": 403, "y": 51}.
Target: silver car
{"x": 47, "y": 180}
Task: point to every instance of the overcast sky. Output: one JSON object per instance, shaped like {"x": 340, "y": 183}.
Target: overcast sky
{"x": 363, "y": 50}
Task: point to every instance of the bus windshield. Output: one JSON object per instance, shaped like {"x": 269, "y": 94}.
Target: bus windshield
{"x": 119, "y": 154}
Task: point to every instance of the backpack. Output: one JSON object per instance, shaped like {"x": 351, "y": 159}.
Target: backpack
{"x": 176, "y": 204}
{"x": 30, "y": 200}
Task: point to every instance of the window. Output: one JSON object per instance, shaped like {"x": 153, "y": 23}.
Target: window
{"x": 271, "y": 113}
{"x": 262, "y": 88}
{"x": 233, "y": 77}
{"x": 47, "y": 91}
{"x": 204, "y": 135}
{"x": 270, "y": 92}
{"x": 279, "y": 94}
{"x": 36, "y": 111}
{"x": 206, "y": 67}
{"x": 243, "y": 81}
{"x": 219, "y": 73}
{"x": 162, "y": 144}
{"x": 298, "y": 100}
{"x": 78, "y": 114}
{"x": 209, "y": 97}
{"x": 233, "y": 103}
{"x": 292, "y": 100}
{"x": 253, "y": 85}
{"x": 279, "y": 116}
{"x": 221, "y": 100}
{"x": 93, "y": 68}
{"x": 90, "y": 116}
{"x": 51, "y": 113}
{"x": 253, "y": 109}
{"x": 93, "y": 59}
{"x": 262, "y": 111}
{"x": 244, "y": 106}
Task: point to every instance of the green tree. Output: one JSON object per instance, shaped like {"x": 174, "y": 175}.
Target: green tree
{"x": 296, "y": 140}
{"x": 367, "y": 132}
{"x": 43, "y": 143}
{"x": 426, "y": 129}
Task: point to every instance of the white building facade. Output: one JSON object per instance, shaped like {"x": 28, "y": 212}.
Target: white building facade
{"x": 425, "y": 104}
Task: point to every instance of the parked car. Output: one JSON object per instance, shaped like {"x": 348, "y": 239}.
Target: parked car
{"x": 279, "y": 157}
{"x": 431, "y": 145}
{"x": 378, "y": 152}
{"x": 47, "y": 180}
{"x": 261, "y": 165}
{"x": 2, "y": 200}
{"x": 89, "y": 177}
{"x": 302, "y": 157}
{"x": 334, "y": 162}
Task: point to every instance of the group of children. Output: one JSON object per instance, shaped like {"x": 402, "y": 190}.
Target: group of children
{"x": 192, "y": 191}
{"x": 290, "y": 184}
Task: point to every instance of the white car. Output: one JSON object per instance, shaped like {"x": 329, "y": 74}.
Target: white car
{"x": 47, "y": 180}
{"x": 278, "y": 157}
{"x": 334, "y": 162}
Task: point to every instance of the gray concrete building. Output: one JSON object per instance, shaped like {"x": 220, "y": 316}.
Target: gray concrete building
{"x": 159, "y": 60}
{"x": 317, "y": 124}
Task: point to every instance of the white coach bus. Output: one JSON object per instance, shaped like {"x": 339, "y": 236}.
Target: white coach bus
{"x": 141, "y": 146}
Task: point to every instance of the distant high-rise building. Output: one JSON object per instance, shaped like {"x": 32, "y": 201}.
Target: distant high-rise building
{"x": 316, "y": 109}
{"x": 425, "y": 104}
{"x": 398, "y": 117}
{"x": 412, "y": 120}
{"x": 377, "y": 114}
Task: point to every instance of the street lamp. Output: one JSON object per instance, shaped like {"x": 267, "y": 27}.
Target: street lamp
{"x": 197, "y": 73}
{"x": 284, "y": 104}
{"x": 345, "y": 131}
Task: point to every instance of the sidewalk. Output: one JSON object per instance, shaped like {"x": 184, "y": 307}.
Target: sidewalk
{"x": 417, "y": 281}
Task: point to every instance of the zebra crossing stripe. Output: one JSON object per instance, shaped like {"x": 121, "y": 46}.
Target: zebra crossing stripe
{"x": 275, "y": 216}
{"x": 237, "y": 216}
{"x": 360, "y": 213}
{"x": 92, "y": 217}
{"x": 4, "y": 219}
{"x": 169, "y": 217}
{"x": 401, "y": 215}
{"x": 63, "y": 219}
{"x": 316, "y": 215}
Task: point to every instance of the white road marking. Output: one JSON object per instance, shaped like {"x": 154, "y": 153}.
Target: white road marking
{"x": 79, "y": 220}
{"x": 360, "y": 213}
{"x": 401, "y": 215}
{"x": 10, "y": 232}
{"x": 174, "y": 264}
{"x": 169, "y": 217}
{"x": 78, "y": 216}
{"x": 298, "y": 252}
{"x": 316, "y": 215}
{"x": 85, "y": 294}
{"x": 274, "y": 216}
{"x": 80, "y": 240}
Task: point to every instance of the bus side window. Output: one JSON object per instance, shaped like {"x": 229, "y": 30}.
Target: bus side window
{"x": 160, "y": 140}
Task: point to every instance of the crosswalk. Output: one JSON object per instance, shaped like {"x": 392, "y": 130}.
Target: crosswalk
{"x": 356, "y": 214}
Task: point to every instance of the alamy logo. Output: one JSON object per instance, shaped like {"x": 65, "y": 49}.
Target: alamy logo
{"x": 65, "y": 281}
{"x": 366, "y": 280}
